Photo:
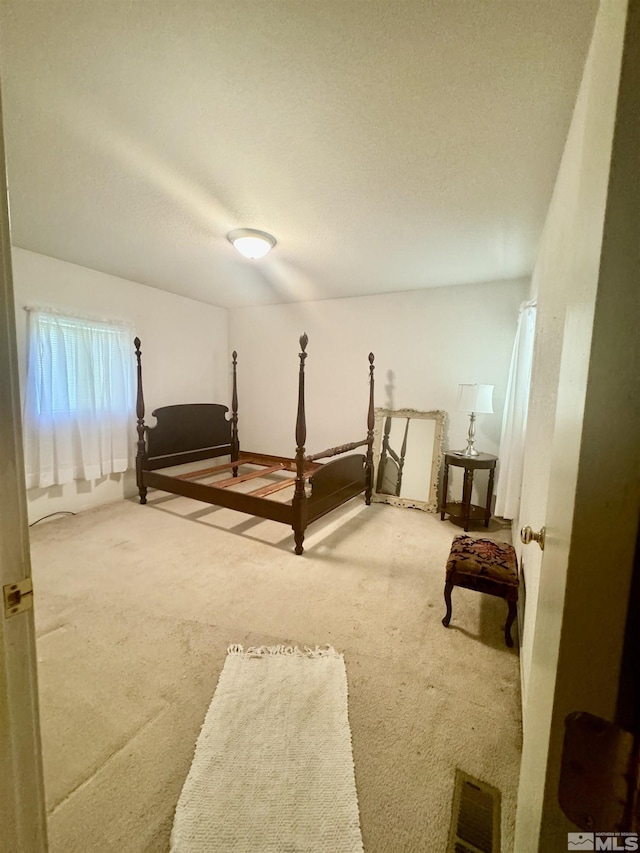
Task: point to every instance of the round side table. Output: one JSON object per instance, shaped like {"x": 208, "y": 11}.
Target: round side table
{"x": 464, "y": 511}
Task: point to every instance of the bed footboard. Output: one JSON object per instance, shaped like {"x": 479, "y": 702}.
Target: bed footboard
{"x": 335, "y": 483}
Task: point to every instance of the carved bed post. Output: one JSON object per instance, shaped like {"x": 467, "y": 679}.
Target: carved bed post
{"x": 382, "y": 462}
{"x": 235, "y": 441}
{"x": 403, "y": 453}
{"x": 370, "y": 424}
{"x": 299, "y": 502}
{"x": 141, "y": 455}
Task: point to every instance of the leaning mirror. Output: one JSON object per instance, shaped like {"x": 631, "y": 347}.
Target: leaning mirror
{"x": 408, "y": 456}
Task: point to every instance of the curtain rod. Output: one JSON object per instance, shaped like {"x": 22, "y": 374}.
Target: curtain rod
{"x": 56, "y": 312}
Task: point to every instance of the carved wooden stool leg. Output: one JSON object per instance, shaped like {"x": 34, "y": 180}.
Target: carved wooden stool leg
{"x": 447, "y": 597}
{"x": 510, "y": 619}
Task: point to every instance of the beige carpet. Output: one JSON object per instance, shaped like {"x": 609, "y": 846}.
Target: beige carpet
{"x": 135, "y": 608}
{"x": 273, "y": 767}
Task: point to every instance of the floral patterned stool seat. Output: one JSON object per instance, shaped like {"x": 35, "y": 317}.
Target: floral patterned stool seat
{"x": 486, "y": 566}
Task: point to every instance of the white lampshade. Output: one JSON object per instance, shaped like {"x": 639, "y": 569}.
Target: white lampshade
{"x": 475, "y": 398}
{"x": 251, "y": 243}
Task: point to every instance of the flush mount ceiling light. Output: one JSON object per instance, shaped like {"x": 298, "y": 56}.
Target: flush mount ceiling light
{"x": 251, "y": 243}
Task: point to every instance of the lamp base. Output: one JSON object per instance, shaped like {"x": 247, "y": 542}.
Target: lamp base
{"x": 470, "y": 449}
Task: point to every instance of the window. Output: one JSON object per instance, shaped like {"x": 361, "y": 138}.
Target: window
{"x": 79, "y": 399}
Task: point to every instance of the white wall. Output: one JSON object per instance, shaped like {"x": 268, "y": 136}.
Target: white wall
{"x": 425, "y": 342}
{"x": 185, "y": 356}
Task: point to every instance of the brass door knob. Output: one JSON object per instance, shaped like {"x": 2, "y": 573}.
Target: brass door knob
{"x": 528, "y": 535}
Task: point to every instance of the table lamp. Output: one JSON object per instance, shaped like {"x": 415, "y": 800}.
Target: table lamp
{"x": 474, "y": 399}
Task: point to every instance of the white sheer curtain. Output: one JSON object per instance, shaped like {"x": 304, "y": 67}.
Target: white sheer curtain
{"x": 79, "y": 399}
{"x": 514, "y": 419}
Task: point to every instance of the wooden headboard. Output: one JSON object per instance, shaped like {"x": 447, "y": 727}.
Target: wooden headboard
{"x": 189, "y": 427}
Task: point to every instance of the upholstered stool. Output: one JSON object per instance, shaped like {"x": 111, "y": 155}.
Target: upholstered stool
{"x": 486, "y": 566}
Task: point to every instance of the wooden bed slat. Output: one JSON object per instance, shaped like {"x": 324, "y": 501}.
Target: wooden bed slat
{"x": 231, "y": 481}
{"x": 203, "y": 472}
{"x": 287, "y": 462}
{"x": 192, "y": 475}
{"x": 274, "y": 487}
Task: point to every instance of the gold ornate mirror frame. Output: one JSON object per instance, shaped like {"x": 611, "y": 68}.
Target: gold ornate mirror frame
{"x": 407, "y": 461}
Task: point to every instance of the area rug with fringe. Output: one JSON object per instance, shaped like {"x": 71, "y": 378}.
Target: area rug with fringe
{"x": 273, "y": 766}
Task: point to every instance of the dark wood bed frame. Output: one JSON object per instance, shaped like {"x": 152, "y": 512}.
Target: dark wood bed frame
{"x": 195, "y": 431}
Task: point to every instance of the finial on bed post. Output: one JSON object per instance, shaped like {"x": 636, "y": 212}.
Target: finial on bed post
{"x": 141, "y": 455}
{"x": 299, "y": 496}
{"x": 235, "y": 440}
{"x": 370, "y": 424}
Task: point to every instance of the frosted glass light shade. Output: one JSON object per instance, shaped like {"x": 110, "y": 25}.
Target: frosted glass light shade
{"x": 475, "y": 398}
{"x": 251, "y": 243}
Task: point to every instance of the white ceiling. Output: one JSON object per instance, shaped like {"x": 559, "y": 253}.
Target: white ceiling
{"x": 387, "y": 144}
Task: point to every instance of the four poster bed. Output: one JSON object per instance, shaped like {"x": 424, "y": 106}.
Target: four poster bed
{"x": 193, "y": 432}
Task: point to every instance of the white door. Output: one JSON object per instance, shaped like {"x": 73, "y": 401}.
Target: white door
{"x": 593, "y": 502}
{"x": 544, "y": 663}
{"x": 22, "y": 808}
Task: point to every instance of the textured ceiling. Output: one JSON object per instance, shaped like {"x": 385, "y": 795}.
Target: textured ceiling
{"x": 386, "y": 145}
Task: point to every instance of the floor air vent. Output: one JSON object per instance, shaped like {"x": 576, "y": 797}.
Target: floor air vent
{"x": 475, "y": 820}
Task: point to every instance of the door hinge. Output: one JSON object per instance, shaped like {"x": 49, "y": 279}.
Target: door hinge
{"x": 18, "y": 597}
